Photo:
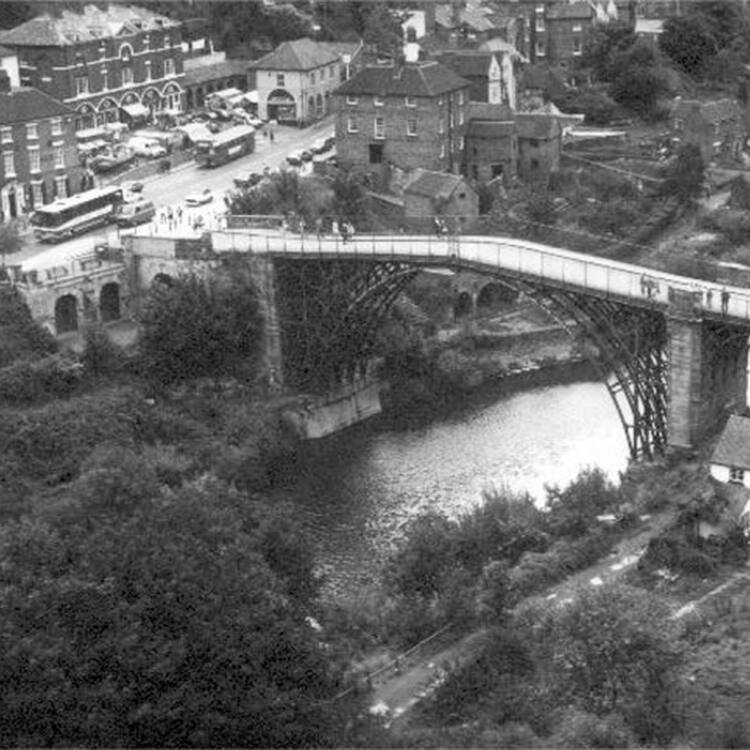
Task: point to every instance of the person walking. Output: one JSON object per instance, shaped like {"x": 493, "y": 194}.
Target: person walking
{"x": 319, "y": 227}
{"x": 724, "y": 301}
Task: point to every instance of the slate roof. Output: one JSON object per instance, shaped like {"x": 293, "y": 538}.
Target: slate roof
{"x": 467, "y": 62}
{"x": 539, "y": 126}
{"x": 70, "y": 28}
{"x": 214, "y": 71}
{"x": 433, "y": 184}
{"x": 487, "y": 111}
{"x": 719, "y": 110}
{"x": 301, "y": 54}
{"x": 410, "y": 79}
{"x": 572, "y": 11}
{"x": 490, "y": 128}
{"x": 27, "y": 105}
{"x": 733, "y": 448}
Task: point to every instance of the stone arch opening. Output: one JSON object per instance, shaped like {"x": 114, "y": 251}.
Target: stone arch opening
{"x": 493, "y": 296}
{"x": 281, "y": 106}
{"x": 109, "y": 302}
{"x": 66, "y": 314}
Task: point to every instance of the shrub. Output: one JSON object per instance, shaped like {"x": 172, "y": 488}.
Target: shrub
{"x": 580, "y": 729}
{"x": 21, "y": 337}
{"x": 30, "y": 380}
{"x": 101, "y": 356}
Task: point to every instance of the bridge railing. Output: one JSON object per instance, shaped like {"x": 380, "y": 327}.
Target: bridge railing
{"x": 521, "y": 257}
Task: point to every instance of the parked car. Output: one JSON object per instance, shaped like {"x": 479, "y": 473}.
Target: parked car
{"x": 295, "y": 158}
{"x": 250, "y": 181}
{"x": 199, "y": 199}
{"x": 306, "y": 155}
{"x": 134, "y": 187}
{"x": 255, "y": 121}
{"x": 148, "y": 148}
{"x": 138, "y": 212}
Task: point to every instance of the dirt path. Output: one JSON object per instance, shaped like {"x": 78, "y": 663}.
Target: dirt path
{"x": 394, "y": 694}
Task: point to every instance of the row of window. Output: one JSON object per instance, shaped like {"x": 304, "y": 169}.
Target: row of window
{"x": 32, "y": 130}
{"x": 35, "y": 166}
{"x": 83, "y": 85}
{"x": 541, "y": 50}
{"x": 37, "y": 190}
{"x": 353, "y": 122}
{"x": 409, "y": 101}
{"x": 321, "y": 74}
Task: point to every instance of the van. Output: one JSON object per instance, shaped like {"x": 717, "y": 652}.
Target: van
{"x": 146, "y": 147}
{"x": 132, "y": 214}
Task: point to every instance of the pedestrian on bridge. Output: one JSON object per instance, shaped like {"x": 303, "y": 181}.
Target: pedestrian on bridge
{"x": 319, "y": 227}
{"x": 724, "y": 301}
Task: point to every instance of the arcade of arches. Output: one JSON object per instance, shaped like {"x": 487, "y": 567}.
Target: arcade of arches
{"x": 70, "y": 310}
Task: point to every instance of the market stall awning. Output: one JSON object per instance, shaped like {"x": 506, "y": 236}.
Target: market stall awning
{"x": 135, "y": 110}
{"x": 227, "y": 93}
{"x": 89, "y": 133}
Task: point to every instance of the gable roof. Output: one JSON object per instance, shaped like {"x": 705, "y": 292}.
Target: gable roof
{"x": 487, "y": 111}
{"x": 301, "y": 54}
{"x": 733, "y": 448}
{"x": 540, "y": 126}
{"x": 570, "y": 11}
{"x": 713, "y": 112}
{"x": 92, "y": 22}
{"x": 214, "y": 71}
{"x": 467, "y": 63}
{"x": 434, "y": 184}
{"x": 410, "y": 79}
{"x": 27, "y": 105}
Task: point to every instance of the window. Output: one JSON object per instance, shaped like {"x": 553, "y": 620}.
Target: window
{"x": 169, "y": 67}
{"x": 352, "y": 100}
{"x": 440, "y": 101}
{"x": 32, "y": 132}
{"x": 82, "y": 85}
{"x": 280, "y": 79}
{"x": 380, "y": 127}
{"x": 678, "y": 124}
{"x": 736, "y": 475}
{"x": 460, "y": 98}
{"x": 540, "y": 23}
{"x": 57, "y": 126}
{"x": 378, "y": 101}
{"x": 411, "y": 101}
{"x": 451, "y": 120}
{"x": 411, "y": 126}
{"x": 535, "y": 164}
{"x": 441, "y": 126}
{"x": 578, "y": 28}
{"x": 9, "y": 164}
{"x": 461, "y": 117}
{"x": 126, "y": 53}
{"x": 146, "y": 42}
{"x": 61, "y": 186}
{"x": 312, "y": 78}
{"x": 442, "y": 151}
{"x": 105, "y": 79}
{"x": 461, "y": 143}
{"x": 59, "y": 157}
{"x": 102, "y": 51}
{"x": 37, "y": 196}
{"x": 540, "y": 48}
{"x": 577, "y": 48}
{"x": 34, "y": 161}
{"x": 352, "y": 124}
{"x": 148, "y": 70}
{"x": 127, "y": 76}
{"x": 376, "y": 153}
{"x": 6, "y": 135}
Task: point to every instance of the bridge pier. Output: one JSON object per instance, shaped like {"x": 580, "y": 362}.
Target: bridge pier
{"x": 263, "y": 272}
{"x": 707, "y": 373}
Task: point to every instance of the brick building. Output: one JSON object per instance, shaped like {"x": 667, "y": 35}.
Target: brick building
{"x": 296, "y": 80}
{"x": 717, "y": 128}
{"x": 539, "y": 145}
{"x": 431, "y": 194}
{"x": 565, "y": 27}
{"x": 102, "y": 63}
{"x": 490, "y": 74}
{"x": 40, "y": 160}
{"x": 409, "y": 115}
{"x": 491, "y": 143}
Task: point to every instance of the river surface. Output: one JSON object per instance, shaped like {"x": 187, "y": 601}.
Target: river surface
{"x": 356, "y": 491}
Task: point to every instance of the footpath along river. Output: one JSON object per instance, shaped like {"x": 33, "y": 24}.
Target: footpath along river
{"x": 356, "y": 491}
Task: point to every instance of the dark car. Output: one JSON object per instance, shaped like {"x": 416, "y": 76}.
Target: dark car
{"x": 306, "y": 155}
{"x": 251, "y": 181}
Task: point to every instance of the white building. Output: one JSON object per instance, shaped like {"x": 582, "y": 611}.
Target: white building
{"x": 730, "y": 461}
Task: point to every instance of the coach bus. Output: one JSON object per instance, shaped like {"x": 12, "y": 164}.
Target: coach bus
{"x": 226, "y": 145}
{"x": 79, "y": 213}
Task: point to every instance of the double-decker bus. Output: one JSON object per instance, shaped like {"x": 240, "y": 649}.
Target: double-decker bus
{"x": 79, "y": 213}
{"x": 228, "y": 144}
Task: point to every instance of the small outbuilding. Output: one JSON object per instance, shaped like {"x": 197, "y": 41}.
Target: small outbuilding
{"x": 429, "y": 194}
{"x": 730, "y": 461}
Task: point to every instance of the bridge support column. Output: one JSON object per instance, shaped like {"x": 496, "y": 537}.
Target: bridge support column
{"x": 707, "y": 376}
{"x": 264, "y": 276}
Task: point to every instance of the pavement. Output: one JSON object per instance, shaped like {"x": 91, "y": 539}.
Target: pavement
{"x": 169, "y": 189}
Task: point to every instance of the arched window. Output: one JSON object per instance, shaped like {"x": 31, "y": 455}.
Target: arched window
{"x": 126, "y": 53}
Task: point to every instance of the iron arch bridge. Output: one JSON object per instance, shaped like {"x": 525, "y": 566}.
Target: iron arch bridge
{"x": 332, "y": 296}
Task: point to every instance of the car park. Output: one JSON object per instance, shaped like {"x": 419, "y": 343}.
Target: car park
{"x": 199, "y": 198}
{"x": 132, "y": 214}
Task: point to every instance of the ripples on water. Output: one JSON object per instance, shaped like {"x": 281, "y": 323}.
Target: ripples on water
{"x": 356, "y": 491}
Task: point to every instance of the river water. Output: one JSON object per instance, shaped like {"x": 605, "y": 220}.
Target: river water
{"x": 356, "y": 491}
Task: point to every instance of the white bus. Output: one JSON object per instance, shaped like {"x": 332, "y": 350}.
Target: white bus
{"x": 226, "y": 145}
{"x": 79, "y": 213}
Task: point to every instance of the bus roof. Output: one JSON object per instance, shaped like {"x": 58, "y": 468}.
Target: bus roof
{"x": 228, "y": 135}
{"x": 78, "y": 198}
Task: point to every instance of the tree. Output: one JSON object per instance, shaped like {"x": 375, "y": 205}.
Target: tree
{"x": 602, "y": 45}
{"x": 195, "y": 327}
{"x": 685, "y": 175}
{"x": 383, "y": 32}
{"x": 613, "y": 650}
{"x": 637, "y": 80}
{"x": 349, "y": 198}
{"x": 690, "y": 42}
{"x": 10, "y": 240}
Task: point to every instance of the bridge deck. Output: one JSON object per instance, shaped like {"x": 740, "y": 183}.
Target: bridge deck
{"x": 634, "y": 284}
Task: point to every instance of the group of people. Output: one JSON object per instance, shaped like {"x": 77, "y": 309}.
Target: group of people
{"x": 298, "y": 224}
{"x": 441, "y": 228}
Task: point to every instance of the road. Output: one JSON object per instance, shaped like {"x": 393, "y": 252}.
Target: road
{"x": 171, "y": 188}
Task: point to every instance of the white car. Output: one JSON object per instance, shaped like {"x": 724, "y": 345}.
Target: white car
{"x": 199, "y": 199}
{"x": 151, "y": 149}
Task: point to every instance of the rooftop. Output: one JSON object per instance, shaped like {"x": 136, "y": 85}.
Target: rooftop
{"x": 304, "y": 54}
{"x": 27, "y": 105}
{"x": 733, "y": 448}
{"x": 487, "y": 111}
{"x": 466, "y": 62}
{"x": 433, "y": 184}
{"x": 70, "y": 28}
{"x": 539, "y": 126}
{"x": 410, "y": 79}
{"x": 490, "y": 128}
{"x": 570, "y": 11}
{"x": 214, "y": 71}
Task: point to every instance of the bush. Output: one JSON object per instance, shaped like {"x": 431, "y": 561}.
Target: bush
{"x": 21, "y": 337}
{"x": 585, "y": 730}
{"x": 674, "y": 552}
{"x": 31, "y": 380}
{"x": 101, "y": 356}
